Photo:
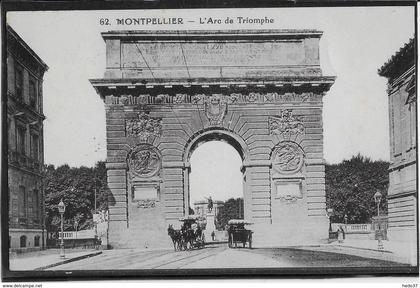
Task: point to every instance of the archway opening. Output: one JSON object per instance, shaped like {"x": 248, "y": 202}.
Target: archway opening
{"x": 216, "y": 174}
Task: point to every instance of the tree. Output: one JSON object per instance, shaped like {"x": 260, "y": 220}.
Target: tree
{"x": 231, "y": 209}
{"x": 350, "y": 186}
{"x": 76, "y": 186}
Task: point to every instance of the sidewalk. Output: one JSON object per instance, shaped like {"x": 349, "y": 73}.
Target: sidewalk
{"x": 44, "y": 259}
{"x": 395, "y": 250}
{"x": 369, "y": 249}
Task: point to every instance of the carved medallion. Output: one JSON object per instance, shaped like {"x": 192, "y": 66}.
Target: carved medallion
{"x": 252, "y": 97}
{"x": 215, "y": 107}
{"x": 144, "y": 161}
{"x": 234, "y": 97}
{"x": 144, "y": 127}
{"x": 288, "y": 158}
{"x": 286, "y": 123}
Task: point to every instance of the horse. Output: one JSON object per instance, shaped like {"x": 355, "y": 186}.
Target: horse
{"x": 187, "y": 238}
{"x": 176, "y": 237}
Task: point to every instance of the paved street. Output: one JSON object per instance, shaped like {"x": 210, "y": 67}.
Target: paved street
{"x": 219, "y": 256}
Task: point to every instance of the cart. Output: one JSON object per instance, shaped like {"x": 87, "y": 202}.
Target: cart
{"x": 192, "y": 235}
{"x": 238, "y": 234}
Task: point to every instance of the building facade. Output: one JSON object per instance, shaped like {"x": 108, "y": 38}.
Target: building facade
{"x": 166, "y": 92}
{"x": 25, "y": 133}
{"x": 402, "y": 196}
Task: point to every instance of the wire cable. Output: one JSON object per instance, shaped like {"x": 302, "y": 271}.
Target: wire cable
{"x": 144, "y": 59}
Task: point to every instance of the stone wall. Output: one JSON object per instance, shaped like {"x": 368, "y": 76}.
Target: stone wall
{"x": 249, "y": 122}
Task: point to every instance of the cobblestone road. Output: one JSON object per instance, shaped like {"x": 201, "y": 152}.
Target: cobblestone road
{"x": 219, "y": 256}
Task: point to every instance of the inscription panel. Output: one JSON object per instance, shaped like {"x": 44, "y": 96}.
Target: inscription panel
{"x": 171, "y": 54}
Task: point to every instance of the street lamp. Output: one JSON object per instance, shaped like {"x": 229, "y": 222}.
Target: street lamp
{"x": 345, "y": 221}
{"x": 330, "y": 212}
{"x": 61, "y": 209}
{"x": 377, "y": 198}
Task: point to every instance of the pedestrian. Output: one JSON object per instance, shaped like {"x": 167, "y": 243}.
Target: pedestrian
{"x": 212, "y": 235}
{"x": 340, "y": 233}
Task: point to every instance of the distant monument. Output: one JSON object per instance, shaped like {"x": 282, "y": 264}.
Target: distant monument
{"x": 209, "y": 210}
{"x": 204, "y": 208}
{"x": 210, "y": 204}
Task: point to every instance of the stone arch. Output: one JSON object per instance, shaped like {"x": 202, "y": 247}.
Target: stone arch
{"x": 211, "y": 134}
{"x": 250, "y": 102}
{"x": 206, "y": 135}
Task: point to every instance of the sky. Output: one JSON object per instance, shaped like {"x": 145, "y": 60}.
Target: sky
{"x": 355, "y": 43}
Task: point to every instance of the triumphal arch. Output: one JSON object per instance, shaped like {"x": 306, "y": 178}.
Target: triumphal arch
{"x": 166, "y": 92}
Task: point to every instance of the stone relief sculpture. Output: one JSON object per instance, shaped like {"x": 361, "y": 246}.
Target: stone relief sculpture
{"x": 145, "y": 204}
{"x": 288, "y": 158}
{"x": 144, "y": 127}
{"x": 252, "y": 97}
{"x": 144, "y": 160}
{"x": 179, "y": 98}
{"x": 231, "y": 98}
{"x": 197, "y": 98}
{"x": 123, "y": 99}
{"x": 234, "y": 97}
{"x": 286, "y": 123}
{"x": 269, "y": 97}
{"x": 215, "y": 107}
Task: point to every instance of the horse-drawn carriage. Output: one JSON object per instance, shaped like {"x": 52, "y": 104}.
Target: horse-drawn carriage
{"x": 190, "y": 235}
{"x": 238, "y": 234}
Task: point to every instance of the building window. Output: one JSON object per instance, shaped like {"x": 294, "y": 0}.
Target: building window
{"x": 35, "y": 147}
{"x": 35, "y": 202}
{"x": 32, "y": 93}
{"x": 22, "y": 202}
{"x": 9, "y": 132}
{"x": 398, "y": 125}
{"x": 36, "y": 241}
{"x": 22, "y": 241}
{"x": 19, "y": 81}
{"x": 20, "y": 141}
{"x": 413, "y": 124}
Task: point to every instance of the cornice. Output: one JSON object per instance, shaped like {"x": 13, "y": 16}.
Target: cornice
{"x": 14, "y": 36}
{"x": 316, "y": 84}
{"x": 399, "y": 62}
{"x": 14, "y": 105}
